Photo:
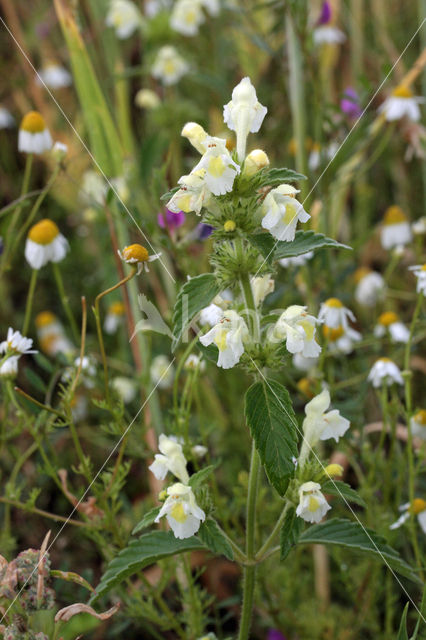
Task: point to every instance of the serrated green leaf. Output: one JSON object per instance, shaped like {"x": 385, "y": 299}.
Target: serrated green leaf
{"x": 270, "y": 416}
{"x": 147, "y": 520}
{"x": 342, "y": 490}
{"x": 195, "y": 294}
{"x": 275, "y": 177}
{"x": 290, "y": 532}
{"x": 200, "y": 476}
{"x": 402, "y": 633}
{"x": 148, "y": 549}
{"x": 304, "y": 241}
{"x": 352, "y": 535}
{"x": 214, "y": 540}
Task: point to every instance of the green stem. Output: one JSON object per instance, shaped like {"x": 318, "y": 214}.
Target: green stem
{"x": 65, "y": 301}
{"x": 250, "y": 570}
{"x": 268, "y": 543}
{"x": 29, "y": 303}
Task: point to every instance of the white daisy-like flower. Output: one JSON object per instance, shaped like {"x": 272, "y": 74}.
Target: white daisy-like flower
{"x": 181, "y": 510}
{"x": 194, "y": 362}
{"x": 418, "y": 424}
{"x": 419, "y": 271}
{"x": 319, "y": 425}
{"x": 296, "y": 261}
{"x": 341, "y": 339}
{"x": 51, "y": 335}
{"x": 9, "y": 367}
{"x": 389, "y": 322}
{"x": 419, "y": 226}
{"x": 114, "y": 317}
{"x": 281, "y": 212}
{"x": 334, "y": 314}
{"x": 54, "y": 76}
{"x": 170, "y": 459}
{"x": 34, "y": 136}
{"x": 124, "y": 17}
{"x": 395, "y": 230}
{"x": 59, "y": 151}
{"x": 314, "y": 159}
{"x": 88, "y": 371}
{"x": 162, "y": 372}
{"x": 125, "y": 387}
{"x": 326, "y": 34}
{"x": 262, "y": 286}
{"x": 220, "y": 169}
{"x": 147, "y": 99}
{"x": 45, "y": 244}
{"x": 255, "y": 161}
{"x": 384, "y": 371}
{"x": 401, "y": 103}
{"x": 16, "y": 343}
{"x": 137, "y": 254}
{"x": 370, "y": 287}
{"x": 244, "y": 114}
{"x": 193, "y": 194}
{"x": 186, "y": 17}
{"x": 312, "y": 505}
{"x": 7, "y": 121}
{"x": 417, "y": 508}
{"x": 169, "y": 66}
{"x": 298, "y": 328}
{"x": 228, "y": 335}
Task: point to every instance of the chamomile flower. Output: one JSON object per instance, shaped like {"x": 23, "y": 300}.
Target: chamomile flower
{"x": 170, "y": 459}
{"x": 395, "y": 230}
{"x": 327, "y": 34}
{"x": 297, "y": 328}
{"x": 193, "y": 194}
{"x": 45, "y": 244}
{"x": 389, "y": 322}
{"x": 255, "y": 161}
{"x": 186, "y": 17}
{"x": 417, "y": 508}
{"x": 418, "y": 424}
{"x": 34, "y": 136}
{"x": 319, "y": 425}
{"x": 59, "y": 151}
{"x": 125, "y": 387}
{"x": 281, "y": 212}
{"x": 334, "y": 314}
{"x": 244, "y": 114}
{"x": 194, "y": 362}
{"x": 401, "y": 103}
{"x": 9, "y": 367}
{"x": 341, "y": 339}
{"x": 296, "y": 261}
{"x": 7, "y": 121}
{"x": 169, "y": 66}
{"x": 54, "y": 76}
{"x": 419, "y": 226}
{"x": 312, "y": 505}
{"x": 228, "y": 335}
{"x": 219, "y": 168}
{"x": 419, "y": 271}
{"x": 181, "y": 510}
{"x": 370, "y": 287}
{"x": 124, "y": 17}
{"x": 137, "y": 254}
{"x": 16, "y": 344}
{"x": 114, "y": 317}
{"x": 261, "y": 287}
{"x": 162, "y": 372}
{"x": 384, "y": 371}
{"x": 88, "y": 371}
{"x": 51, "y": 335}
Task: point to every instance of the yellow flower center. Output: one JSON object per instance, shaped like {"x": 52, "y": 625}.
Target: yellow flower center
{"x": 388, "y": 318}
{"x": 418, "y": 505}
{"x": 190, "y": 17}
{"x": 135, "y": 253}
{"x": 33, "y": 122}
{"x": 229, "y": 226}
{"x": 420, "y": 417}
{"x": 313, "y": 504}
{"x": 334, "y": 470}
{"x": 334, "y": 303}
{"x": 304, "y": 385}
{"x": 178, "y": 513}
{"x": 46, "y": 343}
{"x": 44, "y": 318}
{"x": 361, "y": 273}
{"x": 402, "y": 92}
{"x": 384, "y": 360}
{"x": 216, "y": 166}
{"x": 332, "y": 334}
{"x": 423, "y": 268}
{"x": 117, "y": 308}
{"x": 394, "y": 215}
{"x": 44, "y": 232}
{"x": 169, "y": 67}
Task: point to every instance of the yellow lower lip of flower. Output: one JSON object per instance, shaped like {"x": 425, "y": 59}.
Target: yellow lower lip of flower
{"x": 334, "y": 303}
{"x": 388, "y": 318}
{"x": 44, "y": 318}
{"x": 33, "y": 122}
{"x": 402, "y": 92}
{"x": 44, "y": 232}
{"x": 394, "y": 215}
{"x": 332, "y": 334}
{"x": 309, "y": 329}
{"x": 220, "y": 339}
{"x": 216, "y": 166}
{"x": 178, "y": 513}
{"x": 417, "y": 506}
{"x": 136, "y": 252}
{"x": 290, "y": 214}
{"x": 313, "y": 504}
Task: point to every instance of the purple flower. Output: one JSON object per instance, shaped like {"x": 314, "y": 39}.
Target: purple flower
{"x": 350, "y": 103}
{"x": 274, "y": 634}
{"x": 325, "y": 16}
{"x": 171, "y": 220}
{"x": 204, "y": 230}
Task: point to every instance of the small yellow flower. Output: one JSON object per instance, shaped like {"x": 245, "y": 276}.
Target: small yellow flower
{"x": 333, "y": 470}
{"x": 394, "y": 215}
{"x": 229, "y": 226}
{"x": 402, "y": 92}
